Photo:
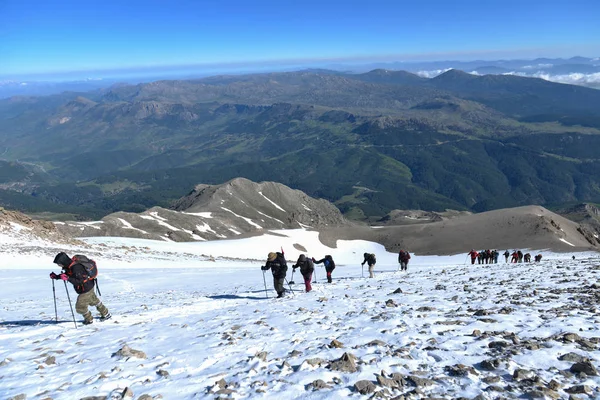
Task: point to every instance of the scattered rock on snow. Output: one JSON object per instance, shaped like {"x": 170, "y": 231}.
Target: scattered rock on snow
{"x": 386, "y": 382}
{"x": 584, "y": 366}
{"x": 295, "y": 353}
{"x": 498, "y": 344}
{"x": 346, "y": 363}
{"x": 584, "y": 389}
{"x": 573, "y": 357}
{"x": 128, "y": 352}
{"x": 376, "y": 342}
{"x": 315, "y": 362}
{"x": 419, "y": 382}
{"x": 317, "y": 385}
{"x": 262, "y": 356}
{"x": 490, "y": 365}
{"x": 163, "y": 373}
{"x": 50, "y": 360}
{"x": 335, "y": 344}
{"x": 460, "y": 370}
{"x": 364, "y": 387}
{"x": 521, "y": 374}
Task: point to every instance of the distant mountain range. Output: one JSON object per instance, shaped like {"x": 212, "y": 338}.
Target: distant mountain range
{"x": 241, "y": 208}
{"x": 370, "y": 142}
{"x": 582, "y": 71}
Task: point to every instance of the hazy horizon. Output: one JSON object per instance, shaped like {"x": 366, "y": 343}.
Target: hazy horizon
{"x": 74, "y": 40}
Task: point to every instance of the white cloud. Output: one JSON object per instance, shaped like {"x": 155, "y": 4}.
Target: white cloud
{"x": 432, "y": 74}
{"x": 537, "y": 66}
{"x": 574, "y": 78}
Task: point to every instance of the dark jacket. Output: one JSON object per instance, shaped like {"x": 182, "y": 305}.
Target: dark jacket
{"x": 305, "y": 264}
{"x": 369, "y": 259}
{"x": 278, "y": 266}
{"x": 76, "y": 272}
{"x": 78, "y": 278}
{"x": 403, "y": 256}
{"x": 328, "y": 262}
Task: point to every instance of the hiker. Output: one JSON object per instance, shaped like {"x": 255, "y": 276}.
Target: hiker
{"x": 495, "y": 255}
{"x": 306, "y": 269}
{"x": 506, "y": 254}
{"x": 77, "y": 271}
{"x": 370, "y": 260}
{"x": 278, "y": 266}
{"x": 403, "y": 257}
{"x": 527, "y": 257}
{"x": 520, "y": 255}
{"x": 514, "y": 257}
{"x": 538, "y": 258}
{"x": 480, "y": 257}
{"x": 329, "y": 266}
{"x": 473, "y": 255}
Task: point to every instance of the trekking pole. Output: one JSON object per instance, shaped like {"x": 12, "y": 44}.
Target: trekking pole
{"x": 265, "y": 281}
{"x": 315, "y": 274}
{"x": 292, "y": 290}
{"x": 362, "y": 270}
{"x": 54, "y": 293}
{"x": 466, "y": 259}
{"x": 292, "y": 278}
{"x": 98, "y": 287}
{"x": 69, "y": 297}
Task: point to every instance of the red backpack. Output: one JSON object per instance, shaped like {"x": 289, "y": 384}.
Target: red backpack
{"x": 91, "y": 270}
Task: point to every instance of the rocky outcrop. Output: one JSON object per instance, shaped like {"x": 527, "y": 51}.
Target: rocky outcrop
{"x": 238, "y": 207}
{"x": 26, "y": 227}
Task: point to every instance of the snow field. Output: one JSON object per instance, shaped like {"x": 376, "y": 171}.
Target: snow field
{"x": 200, "y": 321}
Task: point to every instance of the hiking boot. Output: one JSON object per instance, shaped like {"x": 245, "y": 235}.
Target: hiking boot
{"x": 279, "y": 295}
{"x": 88, "y": 321}
{"x": 104, "y": 318}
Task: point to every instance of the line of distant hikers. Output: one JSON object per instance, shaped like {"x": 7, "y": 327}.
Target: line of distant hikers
{"x": 491, "y": 256}
{"x": 278, "y": 265}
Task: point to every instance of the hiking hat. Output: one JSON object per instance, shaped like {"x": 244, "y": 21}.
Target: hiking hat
{"x": 272, "y": 256}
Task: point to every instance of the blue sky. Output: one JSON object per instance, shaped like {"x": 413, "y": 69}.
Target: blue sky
{"x": 53, "y": 37}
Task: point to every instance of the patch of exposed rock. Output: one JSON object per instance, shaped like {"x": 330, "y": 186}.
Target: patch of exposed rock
{"x": 27, "y": 228}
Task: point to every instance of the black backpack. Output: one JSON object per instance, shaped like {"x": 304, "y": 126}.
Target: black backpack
{"x": 91, "y": 270}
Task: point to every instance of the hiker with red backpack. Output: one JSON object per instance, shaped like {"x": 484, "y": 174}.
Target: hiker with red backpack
{"x": 81, "y": 272}
{"x": 403, "y": 257}
{"x": 474, "y": 254}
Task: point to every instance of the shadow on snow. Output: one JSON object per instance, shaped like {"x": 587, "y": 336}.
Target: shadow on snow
{"x": 32, "y": 322}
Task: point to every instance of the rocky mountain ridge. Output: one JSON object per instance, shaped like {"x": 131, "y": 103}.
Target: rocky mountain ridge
{"x": 235, "y": 208}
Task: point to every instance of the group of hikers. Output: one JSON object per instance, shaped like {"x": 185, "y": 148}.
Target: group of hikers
{"x": 491, "y": 256}
{"x": 278, "y": 265}
{"x": 81, "y": 272}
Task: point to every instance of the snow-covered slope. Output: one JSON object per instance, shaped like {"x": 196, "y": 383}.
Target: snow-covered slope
{"x": 199, "y": 314}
